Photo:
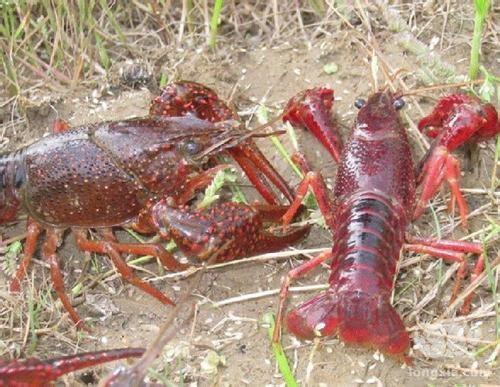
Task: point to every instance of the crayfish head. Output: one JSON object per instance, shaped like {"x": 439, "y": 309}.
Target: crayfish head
{"x": 380, "y": 112}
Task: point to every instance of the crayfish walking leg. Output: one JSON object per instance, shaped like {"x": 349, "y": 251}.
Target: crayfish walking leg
{"x": 108, "y": 246}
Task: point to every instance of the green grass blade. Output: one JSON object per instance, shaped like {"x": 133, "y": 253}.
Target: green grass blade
{"x": 492, "y": 278}
{"x": 109, "y": 13}
{"x": 481, "y": 12}
{"x": 11, "y": 75}
{"x": 481, "y": 350}
{"x": 262, "y": 118}
{"x": 33, "y": 312}
{"x": 284, "y": 153}
{"x": 101, "y": 50}
{"x": 494, "y": 179}
{"x": 493, "y": 287}
{"x": 189, "y": 18}
{"x": 318, "y": 7}
{"x": 436, "y": 221}
{"x": 280, "y": 355}
{"x": 163, "y": 80}
{"x": 214, "y": 23}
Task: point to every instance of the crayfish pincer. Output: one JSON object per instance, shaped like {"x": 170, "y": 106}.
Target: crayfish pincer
{"x": 123, "y": 173}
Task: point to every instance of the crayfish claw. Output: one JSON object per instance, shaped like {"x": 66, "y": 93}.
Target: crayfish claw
{"x": 310, "y": 110}
{"x": 457, "y": 119}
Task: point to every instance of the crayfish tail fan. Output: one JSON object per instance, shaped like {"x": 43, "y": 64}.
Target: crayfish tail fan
{"x": 357, "y": 317}
{"x": 318, "y": 316}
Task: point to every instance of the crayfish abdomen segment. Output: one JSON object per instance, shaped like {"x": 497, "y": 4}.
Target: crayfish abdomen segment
{"x": 368, "y": 245}
{"x": 357, "y": 304}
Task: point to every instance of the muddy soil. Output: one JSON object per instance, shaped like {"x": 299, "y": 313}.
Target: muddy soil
{"x": 232, "y": 334}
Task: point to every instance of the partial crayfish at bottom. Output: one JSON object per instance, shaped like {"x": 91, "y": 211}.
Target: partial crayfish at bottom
{"x": 141, "y": 173}
{"x": 372, "y": 204}
{"x": 43, "y": 373}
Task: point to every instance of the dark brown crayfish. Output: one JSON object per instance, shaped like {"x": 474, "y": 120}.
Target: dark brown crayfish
{"x": 141, "y": 173}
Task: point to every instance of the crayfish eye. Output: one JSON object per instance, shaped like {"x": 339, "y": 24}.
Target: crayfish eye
{"x": 359, "y": 103}
{"x": 191, "y": 147}
{"x": 399, "y": 103}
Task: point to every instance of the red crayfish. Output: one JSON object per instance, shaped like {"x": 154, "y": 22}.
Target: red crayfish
{"x": 40, "y": 373}
{"x": 374, "y": 201}
{"x": 141, "y": 173}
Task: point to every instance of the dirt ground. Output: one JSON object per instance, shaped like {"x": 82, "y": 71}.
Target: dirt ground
{"x": 228, "y": 344}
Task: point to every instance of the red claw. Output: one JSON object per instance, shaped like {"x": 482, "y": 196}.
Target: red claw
{"x": 459, "y": 118}
{"x": 456, "y": 119}
{"x": 183, "y": 98}
{"x": 232, "y": 230}
{"x": 311, "y": 110}
{"x": 37, "y": 373}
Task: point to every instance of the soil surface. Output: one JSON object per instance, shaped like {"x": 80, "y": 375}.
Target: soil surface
{"x": 228, "y": 345}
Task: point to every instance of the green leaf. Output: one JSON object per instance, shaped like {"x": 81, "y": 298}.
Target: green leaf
{"x": 330, "y": 68}
{"x": 9, "y": 265}
{"x": 15, "y": 248}
{"x": 262, "y": 114}
{"x": 211, "y": 362}
{"x": 163, "y": 80}
{"x": 489, "y": 86}
{"x": 221, "y": 177}
{"x": 77, "y": 289}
